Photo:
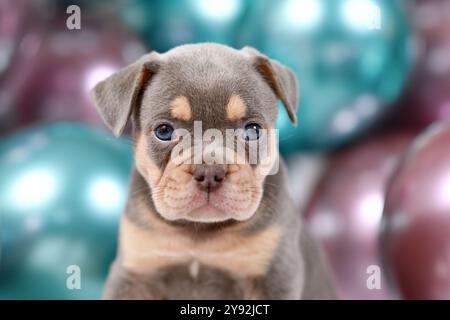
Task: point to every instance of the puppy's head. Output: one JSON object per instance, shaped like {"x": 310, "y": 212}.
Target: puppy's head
{"x": 204, "y": 118}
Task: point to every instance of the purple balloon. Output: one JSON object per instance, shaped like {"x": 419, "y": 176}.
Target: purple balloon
{"x": 427, "y": 97}
{"x": 57, "y": 67}
{"x": 13, "y": 17}
{"x": 416, "y": 235}
{"x": 346, "y": 209}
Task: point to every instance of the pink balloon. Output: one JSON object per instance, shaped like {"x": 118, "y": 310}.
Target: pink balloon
{"x": 58, "y": 67}
{"x": 346, "y": 209}
{"x": 416, "y": 236}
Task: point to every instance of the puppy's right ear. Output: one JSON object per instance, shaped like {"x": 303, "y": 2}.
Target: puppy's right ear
{"x": 117, "y": 96}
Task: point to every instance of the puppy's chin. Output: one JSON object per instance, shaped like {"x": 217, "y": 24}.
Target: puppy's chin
{"x": 207, "y": 214}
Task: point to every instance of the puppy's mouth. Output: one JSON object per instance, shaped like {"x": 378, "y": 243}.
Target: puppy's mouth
{"x": 216, "y": 206}
{"x": 207, "y": 213}
{"x": 231, "y": 201}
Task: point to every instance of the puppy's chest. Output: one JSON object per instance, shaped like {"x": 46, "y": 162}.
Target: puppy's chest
{"x": 226, "y": 261}
{"x": 197, "y": 281}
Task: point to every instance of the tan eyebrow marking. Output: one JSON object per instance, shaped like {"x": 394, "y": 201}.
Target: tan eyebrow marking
{"x": 236, "y": 108}
{"x": 181, "y": 109}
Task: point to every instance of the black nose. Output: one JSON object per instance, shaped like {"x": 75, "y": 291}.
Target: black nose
{"x": 209, "y": 177}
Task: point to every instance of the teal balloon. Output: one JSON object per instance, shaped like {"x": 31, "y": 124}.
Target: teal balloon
{"x": 351, "y": 58}
{"x": 62, "y": 190}
{"x": 164, "y": 24}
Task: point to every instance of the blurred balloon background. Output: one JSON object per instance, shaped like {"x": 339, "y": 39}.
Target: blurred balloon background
{"x": 165, "y": 24}
{"x": 351, "y": 57}
{"x": 373, "y": 75}
{"x": 13, "y": 19}
{"x": 62, "y": 189}
{"x": 345, "y": 210}
{"x": 427, "y": 97}
{"x": 416, "y": 222}
{"x": 55, "y": 69}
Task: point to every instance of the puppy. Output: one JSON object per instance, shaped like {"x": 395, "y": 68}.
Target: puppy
{"x": 207, "y": 229}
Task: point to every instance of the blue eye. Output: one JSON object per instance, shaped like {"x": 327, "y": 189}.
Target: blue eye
{"x": 252, "y": 131}
{"x": 164, "y": 132}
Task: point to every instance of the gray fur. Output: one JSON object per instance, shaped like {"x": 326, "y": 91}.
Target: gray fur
{"x": 118, "y": 95}
{"x": 208, "y": 74}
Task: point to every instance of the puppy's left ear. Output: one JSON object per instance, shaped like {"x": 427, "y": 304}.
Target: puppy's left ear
{"x": 281, "y": 80}
{"x": 118, "y": 95}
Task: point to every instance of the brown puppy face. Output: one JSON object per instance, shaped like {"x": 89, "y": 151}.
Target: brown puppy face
{"x": 204, "y": 119}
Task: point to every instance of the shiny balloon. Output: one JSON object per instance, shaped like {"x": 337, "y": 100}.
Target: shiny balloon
{"x": 350, "y": 56}
{"x": 56, "y": 68}
{"x": 165, "y": 24}
{"x": 345, "y": 213}
{"x": 62, "y": 190}
{"x": 416, "y": 220}
{"x": 427, "y": 97}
